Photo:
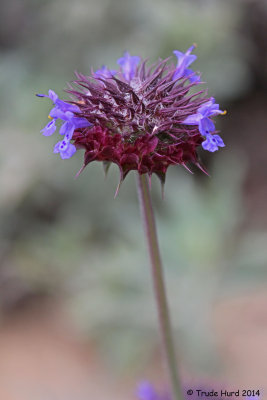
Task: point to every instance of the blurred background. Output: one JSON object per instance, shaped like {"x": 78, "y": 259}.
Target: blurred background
{"x": 77, "y": 317}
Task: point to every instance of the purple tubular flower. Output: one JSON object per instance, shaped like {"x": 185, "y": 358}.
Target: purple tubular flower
{"x": 201, "y": 118}
{"x": 212, "y": 143}
{"x": 65, "y": 112}
{"x": 65, "y": 148}
{"x": 184, "y": 60}
{"x": 61, "y": 107}
{"x": 51, "y": 95}
{"x": 128, "y": 65}
{"x": 104, "y": 72}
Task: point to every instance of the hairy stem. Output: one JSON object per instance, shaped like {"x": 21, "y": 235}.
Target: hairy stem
{"x": 159, "y": 286}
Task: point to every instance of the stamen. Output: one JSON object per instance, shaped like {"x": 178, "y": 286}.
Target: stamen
{"x": 49, "y": 116}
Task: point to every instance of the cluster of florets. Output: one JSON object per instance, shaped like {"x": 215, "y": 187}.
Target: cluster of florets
{"x": 140, "y": 118}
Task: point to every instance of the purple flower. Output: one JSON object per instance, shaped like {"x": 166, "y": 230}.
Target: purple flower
{"x": 144, "y": 118}
{"x": 184, "y": 60}
{"x": 212, "y": 143}
{"x": 51, "y": 94}
{"x": 104, "y": 72}
{"x": 128, "y": 65}
{"x": 201, "y": 118}
{"x": 65, "y": 112}
{"x": 61, "y": 107}
{"x": 65, "y": 148}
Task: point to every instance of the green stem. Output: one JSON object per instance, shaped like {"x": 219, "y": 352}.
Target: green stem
{"x": 159, "y": 286}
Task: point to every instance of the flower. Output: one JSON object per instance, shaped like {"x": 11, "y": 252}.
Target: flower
{"x": 104, "y": 72}
{"x": 66, "y": 112}
{"x": 184, "y": 60}
{"x": 128, "y": 65}
{"x": 141, "y": 117}
{"x": 206, "y": 125}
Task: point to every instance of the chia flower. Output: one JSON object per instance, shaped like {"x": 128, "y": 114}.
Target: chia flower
{"x": 66, "y": 112}
{"x": 104, "y": 72}
{"x": 128, "y": 65}
{"x": 201, "y": 118}
{"x": 183, "y": 61}
{"x": 140, "y": 117}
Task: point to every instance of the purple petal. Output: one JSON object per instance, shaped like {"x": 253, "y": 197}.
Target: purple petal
{"x": 210, "y": 108}
{"x": 193, "y": 78}
{"x": 56, "y": 112}
{"x": 219, "y": 140}
{"x": 67, "y": 129}
{"x": 193, "y": 119}
{"x": 183, "y": 61}
{"x": 49, "y": 129}
{"x": 206, "y": 126}
{"x": 63, "y": 106}
{"x": 65, "y": 148}
{"x": 206, "y": 106}
{"x": 52, "y": 95}
{"x": 68, "y": 153}
{"x": 212, "y": 143}
{"x": 104, "y": 72}
{"x": 80, "y": 122}
{"x": 128, "y": 65}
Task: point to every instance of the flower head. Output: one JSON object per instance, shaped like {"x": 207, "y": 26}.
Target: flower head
{"x": 140, "y": 117}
